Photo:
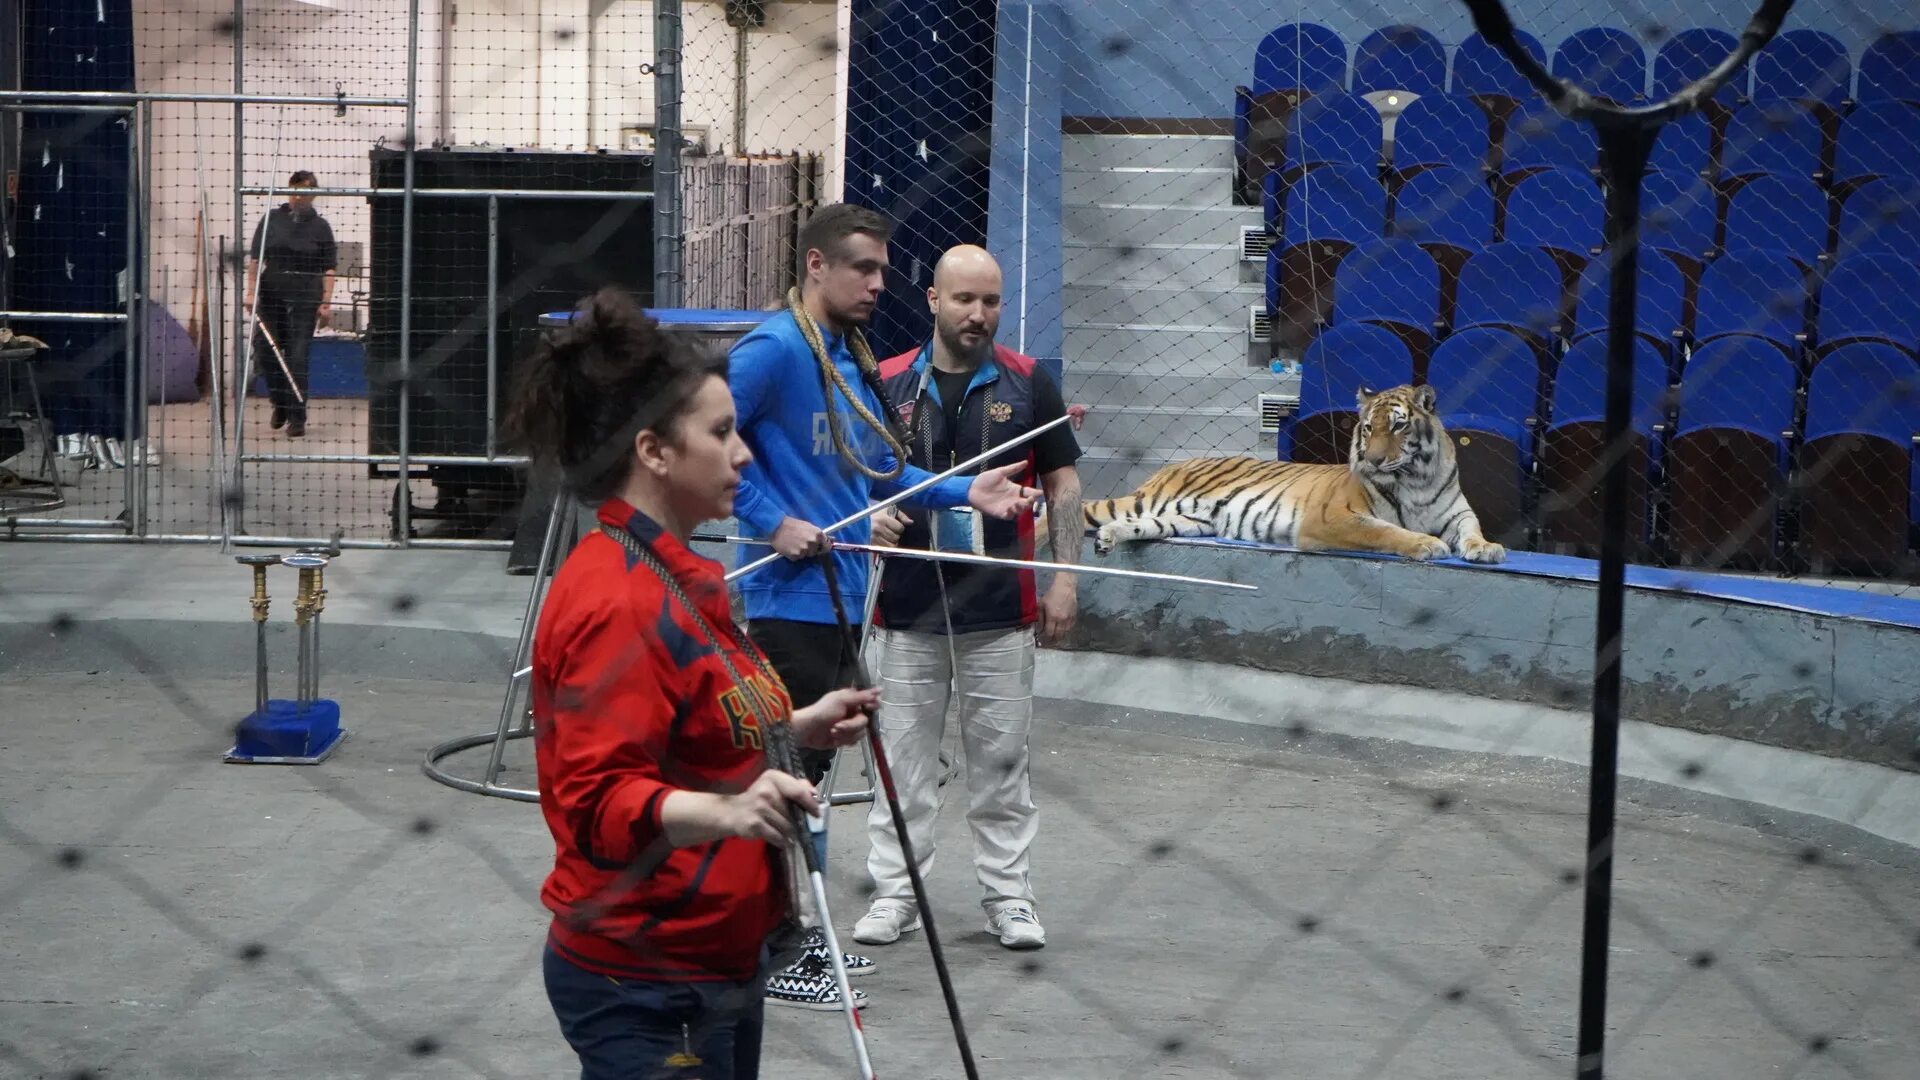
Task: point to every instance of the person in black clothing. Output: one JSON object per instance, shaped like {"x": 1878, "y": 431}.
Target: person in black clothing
{"x": 289, "y": 289}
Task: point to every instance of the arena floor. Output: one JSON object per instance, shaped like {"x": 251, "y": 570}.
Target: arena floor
{"x": 1251, "y": 906}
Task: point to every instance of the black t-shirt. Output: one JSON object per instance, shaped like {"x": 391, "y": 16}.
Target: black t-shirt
{"x": 299, "y": 246}
{"x": 1057, "y": 449}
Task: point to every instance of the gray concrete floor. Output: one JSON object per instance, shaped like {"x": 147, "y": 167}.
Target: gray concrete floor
{"x": 1214, "y": 910}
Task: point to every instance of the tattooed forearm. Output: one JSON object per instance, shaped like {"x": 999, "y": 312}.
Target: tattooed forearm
{"x": 1066, "y": 528}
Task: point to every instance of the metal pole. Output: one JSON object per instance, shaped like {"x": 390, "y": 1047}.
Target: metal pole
{"x": 740, "y": 89}
{"x": 235, "y": 511}
{"x": 91, "y": 100}
{"x": 145, "y": 412}
{"x": 667, "y": 279}
{"x": 403, "y": 507}
{"x": 1625, "y": 144}
{"x": 132, "y": 337}
{"x": 217, "y": 365}
{"x": 561, "y": 510}
{"x": 493, "y": 318}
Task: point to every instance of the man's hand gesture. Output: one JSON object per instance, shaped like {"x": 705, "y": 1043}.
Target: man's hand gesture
{"x": 995, "y": 493}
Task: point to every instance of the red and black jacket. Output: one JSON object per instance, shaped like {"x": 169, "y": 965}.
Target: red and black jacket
{"x": 630, "y": 703}
{"x": 999, "y": 406}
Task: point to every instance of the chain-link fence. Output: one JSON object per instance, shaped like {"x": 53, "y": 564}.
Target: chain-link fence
{"x": 1215, "y": 223}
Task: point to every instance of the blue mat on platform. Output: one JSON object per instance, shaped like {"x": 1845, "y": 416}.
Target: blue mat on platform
{"x": 1835, "y": 601}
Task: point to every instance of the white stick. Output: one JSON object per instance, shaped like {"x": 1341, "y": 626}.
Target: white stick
{"x": 815, "y": 826}
{"x": 994, "y": 560}
{"x": 912, "y": 491}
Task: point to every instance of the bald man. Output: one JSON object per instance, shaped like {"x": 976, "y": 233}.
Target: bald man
{"x": 949, "y": 629}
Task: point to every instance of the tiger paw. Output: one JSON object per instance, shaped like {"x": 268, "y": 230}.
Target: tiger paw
{"x": 1428, "y": 548}
{"x": 1483, "y": 551}
{"x": 1103, "y": 540}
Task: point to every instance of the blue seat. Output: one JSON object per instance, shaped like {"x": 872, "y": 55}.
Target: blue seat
{"x": 1607, "y": 61}
{"x": 1727, "y": 462}
{"x": 1890, "y": 69}
{"x": 1538, "y": 137}
{"x": 1487, "y": 379}
{"x": 1334, "y": 129}
{"x": 1679, "y": 215}
{"x": 1804, "y": 66}
{"x": 1779, "y": 213}
{"x": 1481, "y": 70}
{"x": 1579, "y": 383}
{"x": 1779, "y": 139}
{"x": 1863, "y": 413}
{"x": 1880, "y": 138}
{"x": 1761, "y": 294}
{"x": 1659, "y": 313}
{"x": 1690, "y": 54}
{"x": 1557, "y": 209}
{"x": 1882, "y": 217}
{"x": 1334, "y": 367}
{"x": 1684, "y": 146}
{"x": 1444, "y": 206}
{"x": 1440, "y": 129}
{"x": 1391, "y": 282}
{"x": 1304, "y": 57}
{"x": 1400, "y": 58}
{"x": 1509, "y": 285}
{"x": 1870, "y": 298}
{"x": 1338, "y": 202}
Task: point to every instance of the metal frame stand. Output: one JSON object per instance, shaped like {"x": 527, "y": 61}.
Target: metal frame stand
{"x": 1626, "y": 140}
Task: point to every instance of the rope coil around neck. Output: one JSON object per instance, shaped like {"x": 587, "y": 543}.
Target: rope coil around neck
{"x": 830, "y": 378}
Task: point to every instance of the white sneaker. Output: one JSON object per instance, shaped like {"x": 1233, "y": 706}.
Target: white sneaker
{"x": 885, "y": 921}
{"x": 1016, "y": 925}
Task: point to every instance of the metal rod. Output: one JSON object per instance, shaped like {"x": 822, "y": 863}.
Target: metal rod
{"x": 54, "y": 99}
{"x": 13, "y": 533}
{"x": 907, "y": 493}
{"x": 991, "y": 560}
{"x": 390, "y": 459}
{"x": 667, "y": 278}
{"x": 20, "y": 107}
{"x": 217, "y": 364}
{"x": 131, "y": 338}
{"x": 549, "y": 552}
{"x": 233, "y": 500}
{"x": 403, "y": 509}
{"x": 68, "y": 316}
{"x": 453, "y": 193}
{"x": 145, "y": 279}
{"x": 493, "y": 317}
{"x": 68, "y": 523}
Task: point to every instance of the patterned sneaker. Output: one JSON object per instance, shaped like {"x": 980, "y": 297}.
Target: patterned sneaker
{"x": 816, "y": 942}
{"x": 885, "y": 921}
{"x": 1016, "y": 925}
{"x": 809, "y": 984}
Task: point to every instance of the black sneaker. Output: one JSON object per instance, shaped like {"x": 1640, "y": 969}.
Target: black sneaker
{"x": 279, "y": 418}
{"x": 809, "y": 984}
{"x": 816, "y": 943}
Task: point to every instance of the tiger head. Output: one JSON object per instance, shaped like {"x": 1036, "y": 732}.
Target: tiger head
{"x": 1398, "y": 436}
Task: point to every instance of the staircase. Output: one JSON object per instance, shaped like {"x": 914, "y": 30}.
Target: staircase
{"x": 1157, "y": 302}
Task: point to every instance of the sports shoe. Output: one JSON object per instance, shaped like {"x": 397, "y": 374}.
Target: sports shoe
{"x": 816, "y": 943}
{"x": 809, "y": 984}
{"x": 1016, "y": 925}
{"x": 885, "y": 921}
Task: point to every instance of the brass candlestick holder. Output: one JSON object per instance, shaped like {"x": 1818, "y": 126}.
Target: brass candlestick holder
{"x": 260, "y": 602}
{"x": 304, "y": 611}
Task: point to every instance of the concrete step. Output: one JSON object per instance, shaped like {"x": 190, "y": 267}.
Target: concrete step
{"x": 1112, "y": 389}
{"x": 1091, "y": 348}
{"x": 1119, "y": 224}
{"x": 1177, "y": 266}
{"x": 1158, "y": 185}
{"x": 1220, "y": 306}
{"x": 1091, "y": 152}
{"x": 1144, "y": 425}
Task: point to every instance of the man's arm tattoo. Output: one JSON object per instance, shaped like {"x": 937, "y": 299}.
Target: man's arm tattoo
{"x": 1066, "y": 528}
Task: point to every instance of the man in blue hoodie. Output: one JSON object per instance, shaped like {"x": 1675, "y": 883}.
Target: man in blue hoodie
{"x": 825, "y": 446}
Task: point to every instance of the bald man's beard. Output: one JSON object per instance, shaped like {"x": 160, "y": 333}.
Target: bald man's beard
{"x": 957, "y": 347}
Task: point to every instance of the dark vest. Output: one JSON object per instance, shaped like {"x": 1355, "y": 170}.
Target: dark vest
{"x": 998, "y": 407}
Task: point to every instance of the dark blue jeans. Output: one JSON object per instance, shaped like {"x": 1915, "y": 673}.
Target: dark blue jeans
{"x": 624, "y": 1029}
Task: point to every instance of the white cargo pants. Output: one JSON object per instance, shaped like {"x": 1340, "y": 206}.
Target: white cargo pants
{"x": 995, "y": 688}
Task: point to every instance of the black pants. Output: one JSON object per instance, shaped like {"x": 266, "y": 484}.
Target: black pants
{"x": 811, "y": 658}
{"x": 289, "y": 315}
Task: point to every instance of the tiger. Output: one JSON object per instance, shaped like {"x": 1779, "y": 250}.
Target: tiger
{"x": 1398, "y": 494}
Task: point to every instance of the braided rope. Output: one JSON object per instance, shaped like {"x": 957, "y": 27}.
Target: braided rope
{"x": 830, "y": 377}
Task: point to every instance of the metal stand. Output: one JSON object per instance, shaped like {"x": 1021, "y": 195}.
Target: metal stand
{"x": 305, "y": 730}
{"x": 1626, "y": 141}
{"x": 260, "y": 603}
{"x": 516, "y": 720}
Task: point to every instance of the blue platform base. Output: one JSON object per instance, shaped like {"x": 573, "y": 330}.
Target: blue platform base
{"x": 288, "y": 734}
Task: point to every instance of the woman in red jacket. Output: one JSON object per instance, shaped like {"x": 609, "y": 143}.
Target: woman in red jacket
{"x": 649, "y": 711}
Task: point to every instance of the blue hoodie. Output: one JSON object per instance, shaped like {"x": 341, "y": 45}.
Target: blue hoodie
{"x": 796, "y": 472}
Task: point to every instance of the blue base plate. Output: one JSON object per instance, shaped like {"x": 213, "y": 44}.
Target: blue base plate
{"x": 287, "y": 734}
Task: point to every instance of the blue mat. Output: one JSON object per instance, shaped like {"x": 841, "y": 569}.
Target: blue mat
{"x": 1840, "y": 603}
